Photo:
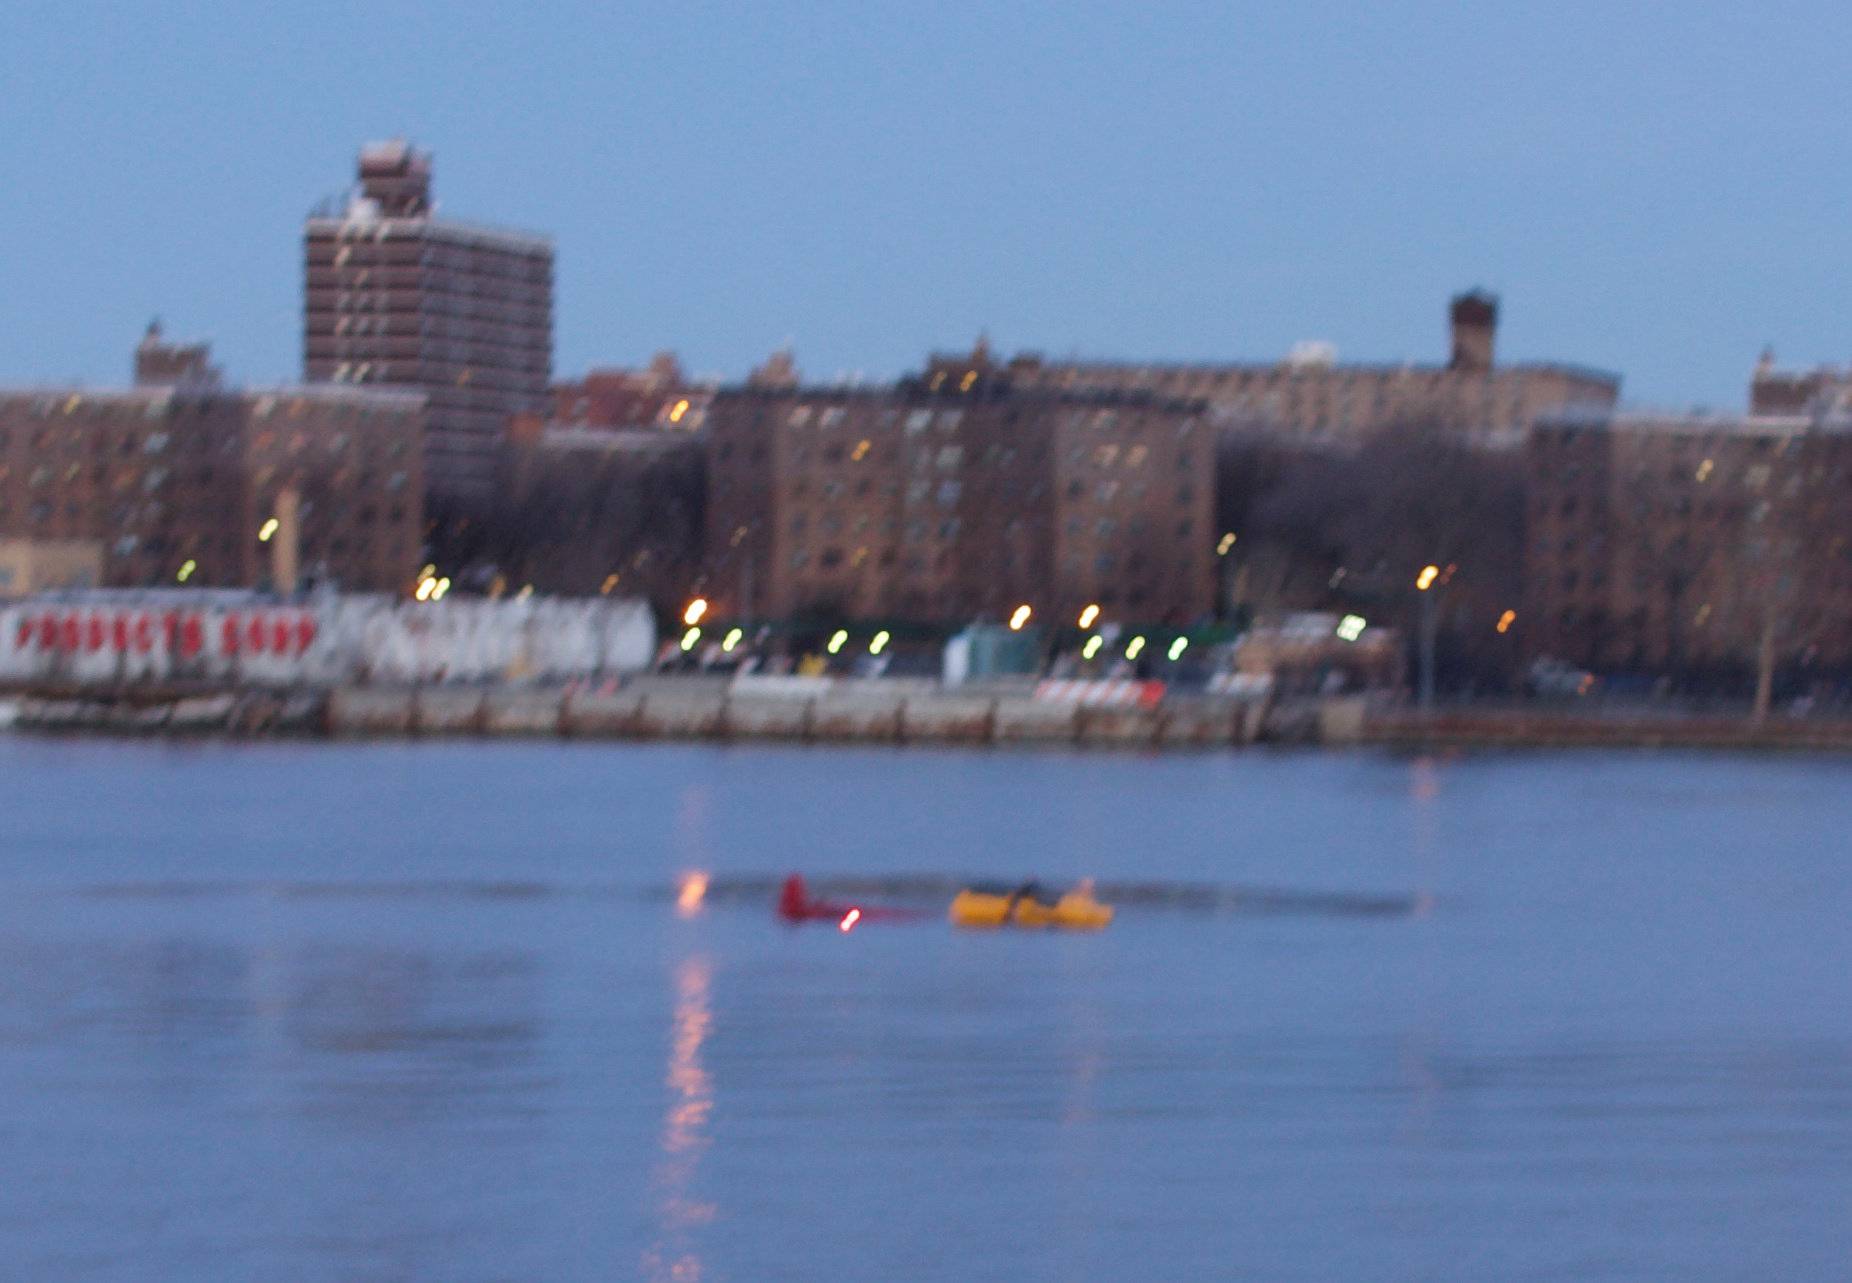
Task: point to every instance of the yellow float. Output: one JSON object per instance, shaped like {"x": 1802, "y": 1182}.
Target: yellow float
{"x": 1029, "y": 906}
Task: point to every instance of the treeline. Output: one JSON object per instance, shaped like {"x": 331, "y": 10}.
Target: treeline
{"x": 1322, "y": 530}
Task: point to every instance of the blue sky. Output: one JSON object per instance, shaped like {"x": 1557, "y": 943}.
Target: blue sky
{"x": 1655, "y": 189}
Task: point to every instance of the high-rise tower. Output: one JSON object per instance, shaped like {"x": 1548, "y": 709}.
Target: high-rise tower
{"x": 395, "y": 295}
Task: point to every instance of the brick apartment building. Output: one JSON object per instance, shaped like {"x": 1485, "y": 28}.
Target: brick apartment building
{"x": 1311, "y": 399}
{"x": 1672, "y": 543}
{"x": 954, "y": 496}
{"x": 658, "y": 395}
{"x": 395, "y": 295}
{"x": 181, "y": 469}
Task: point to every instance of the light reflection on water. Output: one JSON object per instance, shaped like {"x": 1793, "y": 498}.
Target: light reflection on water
{"x": 1595, "y": 1023}
{"x": 685, "y": 1130}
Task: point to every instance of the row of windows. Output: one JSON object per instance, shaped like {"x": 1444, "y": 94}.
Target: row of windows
{"x": 1137, "y": 527}
{"x": 1135, "y": 492}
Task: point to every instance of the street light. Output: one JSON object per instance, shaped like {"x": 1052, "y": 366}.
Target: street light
{"x": 696, "y": 609}
{"x": 1429, "y": 623}
{"x": 1088, "y": 616}
{"x": 1019, "y": 618}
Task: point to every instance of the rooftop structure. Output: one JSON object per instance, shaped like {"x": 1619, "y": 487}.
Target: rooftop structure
{"x": 1312, "y": 398}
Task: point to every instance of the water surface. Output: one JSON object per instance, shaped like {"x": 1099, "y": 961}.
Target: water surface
{"x": 428, "y": 1012}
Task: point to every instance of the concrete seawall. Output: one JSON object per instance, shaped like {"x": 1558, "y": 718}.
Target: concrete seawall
{"x": 847, "y": 713}
{"x": 876, "y": 712}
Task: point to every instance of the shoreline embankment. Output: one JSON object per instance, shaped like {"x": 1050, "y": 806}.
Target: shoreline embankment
{"x": 876, "y": 712}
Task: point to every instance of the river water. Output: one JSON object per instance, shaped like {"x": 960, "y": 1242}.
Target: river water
{"x": 316, "y": 1012}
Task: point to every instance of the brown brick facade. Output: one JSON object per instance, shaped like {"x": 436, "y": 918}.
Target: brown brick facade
{"x": 958, "y": 503}
{"x": 164, "y": 474}
{"x": 1670, "y": 543}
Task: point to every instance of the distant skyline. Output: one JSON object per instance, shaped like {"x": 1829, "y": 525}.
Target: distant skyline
{"x": 1657, "y": 196}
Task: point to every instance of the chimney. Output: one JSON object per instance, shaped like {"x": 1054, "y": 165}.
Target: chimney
{"x": 1475, "y": 324}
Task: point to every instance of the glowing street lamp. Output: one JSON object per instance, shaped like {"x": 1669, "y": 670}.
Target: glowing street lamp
{"x": 1019, "y": 618}
{"x": 696, "y": 609}
{"x": 1089, "y": 615}
{"x": 1430, "y": 623}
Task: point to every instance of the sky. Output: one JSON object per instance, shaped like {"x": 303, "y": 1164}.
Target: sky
{"x": 1660, "y": 190}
